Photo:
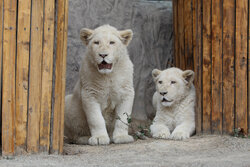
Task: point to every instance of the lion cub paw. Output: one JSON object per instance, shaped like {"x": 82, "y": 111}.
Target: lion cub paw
{"x": 99, "y": 140}
{"x": 179, "y": 135}
{"x": 161, "y": 135}
{"x": 123, "y": 139}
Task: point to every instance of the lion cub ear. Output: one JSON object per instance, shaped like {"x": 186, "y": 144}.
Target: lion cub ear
{"x": 85, "y": 34}
{"x": 126, "y": 36}
{"x": 188, "y": 76}
{"x": 155, "y": 73}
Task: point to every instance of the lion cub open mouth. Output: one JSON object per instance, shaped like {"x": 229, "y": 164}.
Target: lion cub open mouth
{"x": 104, "y": 65}
{"x": 165, "y": 100}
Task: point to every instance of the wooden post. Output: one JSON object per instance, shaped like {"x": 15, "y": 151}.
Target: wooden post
{"x": 188, "y": 35}
{"x": 9, "y": 57}
{"x": 216, "y": 66}
{"x": 207, "y": 61}
{"x": 58, "y": 115}
{"x": 61, "y": 136}
{"x": 241, "y": 64}
{"x": 248, "y": 106}
{"x": 228, "y": 65}
{"x": 35, "y": 76}
{"x": 198, "y": 64}
{"x": 22, "y": 72}
{"x": 47, "y": 74}
{"x": 1, "y": 57}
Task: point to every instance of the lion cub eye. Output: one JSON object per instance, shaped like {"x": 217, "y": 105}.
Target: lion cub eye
{"x": 111, "y": 42}
{"x": 173, "y": 82}
{"x": 96, "y": 42}
{"x": 160, "y": 82}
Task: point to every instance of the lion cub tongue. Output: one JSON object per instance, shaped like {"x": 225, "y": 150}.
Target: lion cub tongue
{"x": 104, "y": 66}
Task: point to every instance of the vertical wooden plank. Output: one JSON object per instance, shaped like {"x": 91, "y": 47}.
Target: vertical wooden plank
{"x": 9, "y": 56}
{"x": 47, "y": 72}
{"x": 61, "y": 140}
{"x": 22, "y": 70}
{"x": 188, "y": 42}
{"x": 1, "y": 51}
{"x": 248, "y": 107}
{"x": 241, "y": 64}
{"x": 207, "y": 54}
{"x": 198, "y": 63}
{"x": 35, "y": 76}
{"x": 228, "y": 65}
{"x": 59, "y": 78}
{"x": 194, "y": 23}
{"x": 216, "y": 66}
{"x": 181, "y": 34}
{"x": 175, "y": 29}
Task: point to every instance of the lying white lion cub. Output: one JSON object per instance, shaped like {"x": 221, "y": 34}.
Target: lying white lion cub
{"x": 104, "y": 91}
{"x": 174, "y": 102}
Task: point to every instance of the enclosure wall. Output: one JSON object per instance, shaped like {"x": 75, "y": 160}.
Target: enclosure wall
{"x": 33, "y": 43}
{"x": 212, "y": 38}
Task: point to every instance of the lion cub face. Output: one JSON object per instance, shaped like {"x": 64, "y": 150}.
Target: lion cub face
{"x": 106, "y": 45}
{"x": 172, "y": 84}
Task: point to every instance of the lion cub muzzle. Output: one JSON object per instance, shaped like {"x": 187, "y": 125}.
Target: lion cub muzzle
{"x": 104, "y": 65}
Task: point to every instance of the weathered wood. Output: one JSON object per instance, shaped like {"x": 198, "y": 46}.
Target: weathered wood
{"x": 175, "y": 31}
{"x": 1, "y": 51}
{"x": 188, "y": 35}
{"x": 241, "y": 64}
{"x": 9, "y": 56}
{"x": 22, "y": 70}
{"x": 47, "y": 73}
{"x": 248, "y": 106}
{"x": 181, "y": 34}
{"x": 59, "y": 78}
{"x": 35, "y": 76}
{"x": 61, "y": 137}
{"x": 216, "y": 66}
{"x": 198, "y": 64}
{"x": 207, "y": 55}
{"x": 194, "y": 23}
{"x": 223, "y": 91}
{"x": 228, "y": 65}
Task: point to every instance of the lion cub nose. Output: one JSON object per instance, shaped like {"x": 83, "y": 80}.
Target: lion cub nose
{"x": 163, "y": 93}
{"x": 103, "y": 55}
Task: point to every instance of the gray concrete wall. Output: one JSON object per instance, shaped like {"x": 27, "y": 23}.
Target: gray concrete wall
{"x": 151, "y": 47}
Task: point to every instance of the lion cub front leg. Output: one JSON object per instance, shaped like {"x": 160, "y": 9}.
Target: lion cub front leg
{"x": 96, "y": 123}
{"x": 123, "y": 110}
{"x": 183, "y": 131}
{"x": 159, "y": 129}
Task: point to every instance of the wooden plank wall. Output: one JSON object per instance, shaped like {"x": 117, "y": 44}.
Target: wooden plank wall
{"x": 1, "y": 56}
{"x": 220, "y": 52}
{"x": 27, "y": 51}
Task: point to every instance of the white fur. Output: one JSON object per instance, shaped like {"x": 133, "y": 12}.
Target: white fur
{"x": 175, "y": 118}
{"x": 101, "y": 96}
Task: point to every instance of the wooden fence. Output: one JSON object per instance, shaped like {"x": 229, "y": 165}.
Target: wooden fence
{"x": 212, "y": 37}
{"x": 33, "y": 59}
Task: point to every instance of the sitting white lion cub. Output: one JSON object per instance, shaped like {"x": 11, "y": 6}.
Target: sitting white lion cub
{"x": 104, "y": 91}
{"x": 174, "y": 102}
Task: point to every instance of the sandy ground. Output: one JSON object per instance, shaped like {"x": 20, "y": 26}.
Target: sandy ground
{"x": 205, "y": 150}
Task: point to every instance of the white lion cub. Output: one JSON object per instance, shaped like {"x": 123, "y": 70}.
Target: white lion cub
{"x": 104, "y": 91}
{"x": 174, "y": 102}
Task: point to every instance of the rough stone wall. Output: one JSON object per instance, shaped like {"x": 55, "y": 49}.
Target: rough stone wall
{"x": 151, "y": 47}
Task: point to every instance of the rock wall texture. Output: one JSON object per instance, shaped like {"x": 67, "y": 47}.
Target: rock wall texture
{"x": 151, "y": 47}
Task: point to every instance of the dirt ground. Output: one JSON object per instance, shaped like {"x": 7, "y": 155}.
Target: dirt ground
{"x": 205, "y": 150}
